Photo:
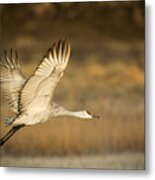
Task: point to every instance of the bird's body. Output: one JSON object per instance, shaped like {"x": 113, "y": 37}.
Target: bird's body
{"x": 31, "y": 116}
{"x": 32, "y": 99}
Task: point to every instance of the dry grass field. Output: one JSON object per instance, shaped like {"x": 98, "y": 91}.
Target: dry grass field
{"x": 113, "y": 161}
{"x": 120, "y": 128}
{"x": 105, "y": 75}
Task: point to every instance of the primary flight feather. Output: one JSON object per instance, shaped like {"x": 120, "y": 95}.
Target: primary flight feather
{"x": 11, "y": 80}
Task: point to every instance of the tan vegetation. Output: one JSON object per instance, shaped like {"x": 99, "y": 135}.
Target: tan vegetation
{"x": 112, "y": 93}
{"x": 105, "y": 74}
{"x": 122, "y": 161}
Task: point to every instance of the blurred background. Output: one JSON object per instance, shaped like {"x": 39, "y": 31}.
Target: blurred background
{"x": 105, "y": 75}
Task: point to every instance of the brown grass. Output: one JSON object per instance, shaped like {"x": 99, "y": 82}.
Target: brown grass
{"x": 113, "y": 91}
{"x": 113, "y": 161}
{"x": 105, "y": 75}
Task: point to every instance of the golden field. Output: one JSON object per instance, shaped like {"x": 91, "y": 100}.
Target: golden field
{"x": 105, "y": 75}
{"x": 112, "y": 161}
{"x": 117, "y": 97}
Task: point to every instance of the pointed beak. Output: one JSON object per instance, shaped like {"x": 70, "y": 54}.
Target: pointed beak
{"x": 93, "y": 116}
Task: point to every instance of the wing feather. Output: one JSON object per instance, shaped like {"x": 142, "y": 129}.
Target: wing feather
{"x": 11, "y": 79}
{"x": 39, "y": 89}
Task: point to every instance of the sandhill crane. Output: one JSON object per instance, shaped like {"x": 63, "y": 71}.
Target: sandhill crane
{"x": 31, "y": 99}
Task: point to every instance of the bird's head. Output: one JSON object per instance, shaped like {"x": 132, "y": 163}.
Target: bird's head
{"x": 87, "y": 115}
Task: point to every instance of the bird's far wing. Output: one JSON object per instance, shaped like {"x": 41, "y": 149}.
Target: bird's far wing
{"x": 39, "y": 89}
{"x": 11, "y": 79}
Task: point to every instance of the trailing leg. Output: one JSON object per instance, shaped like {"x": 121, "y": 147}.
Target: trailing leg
{"x": 10, "y": 133}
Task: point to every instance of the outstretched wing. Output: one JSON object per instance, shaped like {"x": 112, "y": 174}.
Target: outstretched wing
{"x": 38, "y": 91}
{"x": 11, "y": 79}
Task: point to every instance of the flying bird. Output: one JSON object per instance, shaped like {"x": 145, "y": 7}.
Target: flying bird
{"x": 31, "y": 99}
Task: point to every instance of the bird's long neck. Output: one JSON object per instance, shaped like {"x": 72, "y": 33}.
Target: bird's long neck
{"x": 60, "y": 111}
{"x": 79, "y": 114}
